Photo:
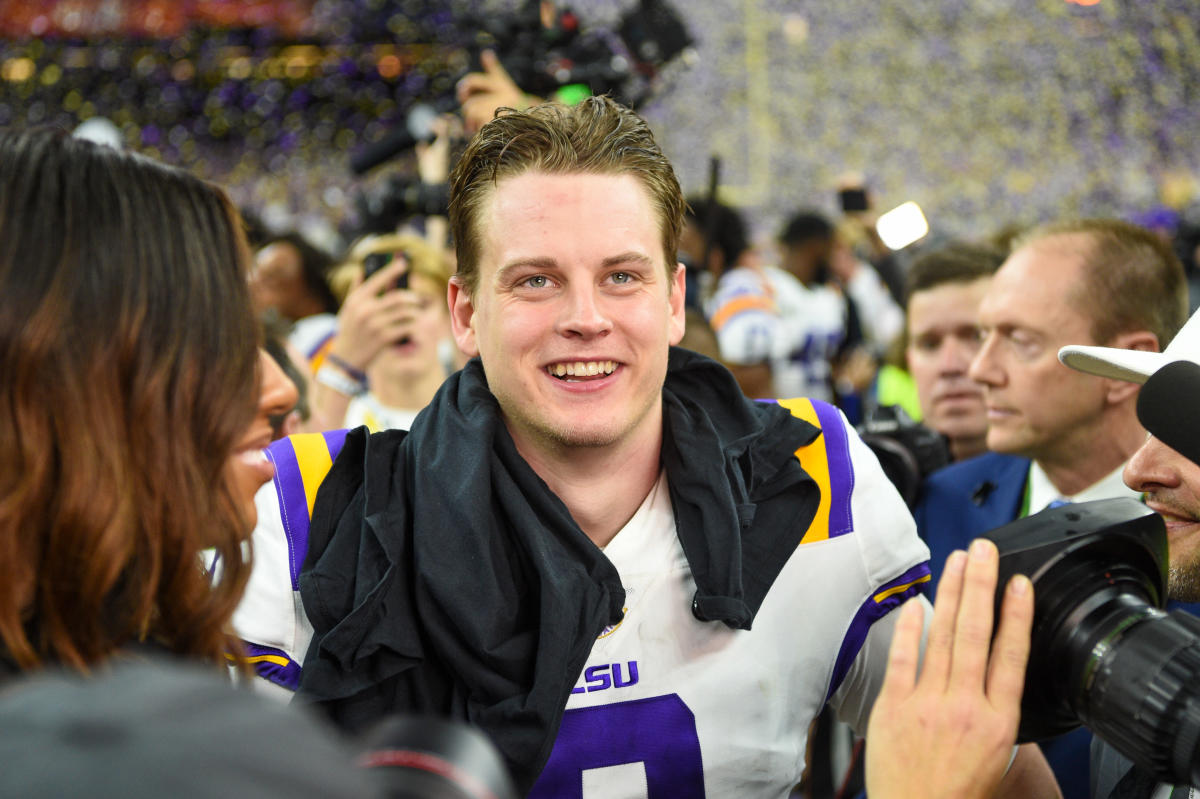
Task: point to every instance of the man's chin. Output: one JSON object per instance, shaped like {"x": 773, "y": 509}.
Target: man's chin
{"x": 1183, "y": 584}
{"x": 1183, "y": 572}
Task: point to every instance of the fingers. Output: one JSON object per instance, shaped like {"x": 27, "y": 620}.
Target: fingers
{"x": 973, "y": 628}
{"x": 491, "y": 64}
{"x": 1010, "y": 653}
{"x": 940, "y": 644}
{"x": 386, "y": 277}
{"x": 472, "y": 83}
{"x": 493, "y": 77}
{"x": 905, "y": 652}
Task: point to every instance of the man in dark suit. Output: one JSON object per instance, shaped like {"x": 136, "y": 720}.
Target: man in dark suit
{"x": 971, "y": 722}
{"x": 1056, "y": 435}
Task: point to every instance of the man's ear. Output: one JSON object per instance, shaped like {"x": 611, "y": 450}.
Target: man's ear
{"x": 462, "y": 316}
{"x": 678, "y": 300}
{"x": 1118, "y": 391}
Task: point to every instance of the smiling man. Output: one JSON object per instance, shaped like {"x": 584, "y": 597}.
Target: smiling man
{"x": 1067, "y": 435}
{"x": 638, "y": 582}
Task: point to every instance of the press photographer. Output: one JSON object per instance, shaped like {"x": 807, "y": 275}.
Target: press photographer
{"x": 1103, "y": 651}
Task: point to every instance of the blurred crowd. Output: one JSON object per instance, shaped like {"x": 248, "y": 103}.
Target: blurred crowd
{"x": 201, "y": 333}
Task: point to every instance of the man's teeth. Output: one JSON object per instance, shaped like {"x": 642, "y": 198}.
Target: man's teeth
{"x": 581, "y": 368}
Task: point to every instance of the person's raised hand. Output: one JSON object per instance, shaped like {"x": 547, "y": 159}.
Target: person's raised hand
{"x": 481, "y": 93}
{"x": 373, "y": 316}
{"x": 949, "y": 731}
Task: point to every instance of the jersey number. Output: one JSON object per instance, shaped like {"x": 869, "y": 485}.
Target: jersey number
{"x": 659, "y": 733}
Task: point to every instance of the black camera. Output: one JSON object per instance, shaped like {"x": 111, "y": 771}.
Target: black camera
{"x": 397, "y": 199}
{"x": 1104, "y": 653}
{"x": 378, "y": 260}
{"x": 907, "y": 450}
{"x": 423, "y": 757}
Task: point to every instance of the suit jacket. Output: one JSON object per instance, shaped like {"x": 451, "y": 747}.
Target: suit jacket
{"x": 965, "y": 499}
{"x": 957, "y": 504}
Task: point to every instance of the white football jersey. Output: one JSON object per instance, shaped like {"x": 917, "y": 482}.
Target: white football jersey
{"x": 669, "y": 706}
{"x": 765, "y": 314}
{"x": 666, "y": 705}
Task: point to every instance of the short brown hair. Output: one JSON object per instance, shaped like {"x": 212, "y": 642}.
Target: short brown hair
{"x": 953, "y": 262}
{"x": 597, "y": 136}
{"x": 1135, "y": 281}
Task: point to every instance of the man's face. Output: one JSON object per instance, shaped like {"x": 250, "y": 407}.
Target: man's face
{"x": 691, "y": 244}
{"x": 1036, "y": 406}
{"x": 808, "y": 261}
{"x": 276, "y": 279}
{"x": 943, "y": 338}
{"x": 574, "y": 311}
{"x": 1171, "y": 484}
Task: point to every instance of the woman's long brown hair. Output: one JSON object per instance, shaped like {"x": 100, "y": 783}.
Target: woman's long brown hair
{"x": 128, "y": 373}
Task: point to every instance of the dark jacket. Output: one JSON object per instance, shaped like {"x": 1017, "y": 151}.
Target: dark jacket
{"x": 443, "y": 576}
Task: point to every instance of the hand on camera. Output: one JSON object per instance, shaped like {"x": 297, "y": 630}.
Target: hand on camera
{"x": 950, "y": 731}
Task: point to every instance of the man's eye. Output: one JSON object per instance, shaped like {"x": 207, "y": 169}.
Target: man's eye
{"x": 928, "y": 343}
{"x": 622, "y": 278}
{"x": 536, "y": 282}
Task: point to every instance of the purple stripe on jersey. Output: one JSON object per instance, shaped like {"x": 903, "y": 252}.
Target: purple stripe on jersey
{"x": 293, "y": 500}
{"x": 293, "y": 505}
{"x": 315, "y": 348}
{"x": 872, "y": 611}
{"x": 266, "y": 661}
{"x": 841, "y": 473}
{"x": 334, "y": 439}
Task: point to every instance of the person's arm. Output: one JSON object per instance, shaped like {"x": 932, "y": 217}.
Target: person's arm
{"x": 949, "y": 730}
{"x": 433, "y": 167}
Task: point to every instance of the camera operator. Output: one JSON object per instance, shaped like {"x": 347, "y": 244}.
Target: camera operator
{"x": 964, "y": 707}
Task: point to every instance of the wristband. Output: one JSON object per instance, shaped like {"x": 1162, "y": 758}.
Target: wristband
{"x": 356, "y": 374}
{"x": 332, "y": 378}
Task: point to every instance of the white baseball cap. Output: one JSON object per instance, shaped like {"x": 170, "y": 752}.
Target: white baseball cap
{"x": 1136, "y": 366}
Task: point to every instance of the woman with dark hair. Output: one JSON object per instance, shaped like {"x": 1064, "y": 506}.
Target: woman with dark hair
{"x": 131, "y": 432}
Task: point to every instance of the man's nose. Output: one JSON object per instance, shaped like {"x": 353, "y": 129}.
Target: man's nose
{"x": 584, "y": 313}
{"x": 1152, "y": 466}
{"x": 954, "y": 356}
{"x": 984, "y": 367}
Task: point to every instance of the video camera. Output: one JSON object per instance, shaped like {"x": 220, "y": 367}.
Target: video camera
{"x": 907, "y": 450}
{"x": 545, "y": 50}
{"x": 1104, "y": 651}
{"x": 425, "y": 757}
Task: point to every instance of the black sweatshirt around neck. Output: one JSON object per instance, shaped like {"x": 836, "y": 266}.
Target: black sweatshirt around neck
{"x": 443, "y": 576}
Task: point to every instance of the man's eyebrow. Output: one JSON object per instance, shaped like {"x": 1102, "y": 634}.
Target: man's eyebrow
{"x": 526, "y": 263}
{"x": 627, "y": 258}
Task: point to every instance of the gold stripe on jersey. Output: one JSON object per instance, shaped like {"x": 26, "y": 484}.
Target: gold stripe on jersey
{"x": 312, "y": 455}
{"x": 815, "y": 461}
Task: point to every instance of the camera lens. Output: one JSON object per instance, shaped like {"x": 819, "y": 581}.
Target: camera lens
{"x": 1103, "y": 652}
